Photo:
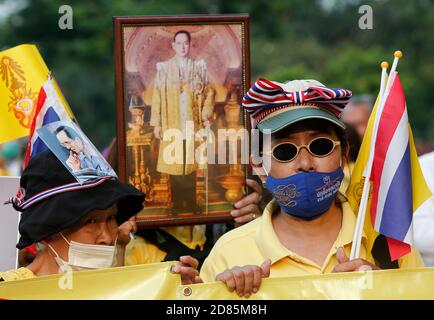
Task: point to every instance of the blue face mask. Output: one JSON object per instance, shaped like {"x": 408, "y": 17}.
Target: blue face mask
{"x": 306, "y": 195}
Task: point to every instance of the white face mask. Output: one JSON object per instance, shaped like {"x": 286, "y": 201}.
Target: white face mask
{"x": 88, "y": 256}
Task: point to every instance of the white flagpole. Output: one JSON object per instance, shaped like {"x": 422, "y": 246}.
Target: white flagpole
{"x": 384, "y": 67}
{"x": 355, "y": 247}
{"x": 398, "y": 55}
{"x": 358, "y": 231}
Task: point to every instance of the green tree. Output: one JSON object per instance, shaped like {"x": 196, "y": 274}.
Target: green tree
{"x": 289, "y": 39}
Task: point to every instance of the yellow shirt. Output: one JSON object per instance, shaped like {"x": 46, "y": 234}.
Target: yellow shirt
{"x": 256, "y": 242}
{"x": 17, "y": 274}
{"x": 140, "y": 251}
{"x": 190, "y": 236}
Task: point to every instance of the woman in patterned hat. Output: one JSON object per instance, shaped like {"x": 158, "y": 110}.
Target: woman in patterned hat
{"x": 308, "y": 226}
{"x": 77, "y": 226}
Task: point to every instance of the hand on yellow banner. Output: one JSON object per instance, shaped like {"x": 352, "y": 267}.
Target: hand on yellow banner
{"x": 247, "y": 209}
{"x": 187, "y": 268}
{"x": 245, "y": 280}
{"x": 345, "y": 265}
{"x": 125, "y": 230}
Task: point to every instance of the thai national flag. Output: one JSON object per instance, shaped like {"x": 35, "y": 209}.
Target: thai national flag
{"x": 49, "y": 109}
{"x": 394, "y": 197}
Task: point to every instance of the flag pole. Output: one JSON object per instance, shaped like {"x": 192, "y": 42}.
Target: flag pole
{"x": 384, "y": 67}
{"x": 358, "y": 230}
{"x": 398, "y": 55}
{"x": 357, "y": 238}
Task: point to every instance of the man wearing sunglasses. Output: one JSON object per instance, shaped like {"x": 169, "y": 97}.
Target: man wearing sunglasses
{"x": 308, "y": 227}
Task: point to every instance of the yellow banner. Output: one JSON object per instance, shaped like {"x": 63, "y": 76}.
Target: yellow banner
{"x": 22, "y": 74}
{"x": 372, "y": 285}
{"x": 144, "y": 282}
{"x": 156, "y": 282}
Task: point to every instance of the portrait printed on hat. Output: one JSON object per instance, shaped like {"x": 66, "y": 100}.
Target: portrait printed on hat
{"x": 71, "y": 146}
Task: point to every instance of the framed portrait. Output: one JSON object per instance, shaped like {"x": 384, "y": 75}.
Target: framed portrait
{"x": 182, "y": 137}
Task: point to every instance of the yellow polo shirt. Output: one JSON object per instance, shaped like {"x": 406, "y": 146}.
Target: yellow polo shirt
{"x": 190, "y": 236}
{"x": 256, "y": 242}
{"x": 140, "y": 251}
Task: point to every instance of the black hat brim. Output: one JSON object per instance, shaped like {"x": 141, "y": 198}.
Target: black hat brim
{"x": 64, "y": 210}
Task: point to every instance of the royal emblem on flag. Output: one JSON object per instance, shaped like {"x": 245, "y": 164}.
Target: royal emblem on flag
{"x": 22, "y": 98}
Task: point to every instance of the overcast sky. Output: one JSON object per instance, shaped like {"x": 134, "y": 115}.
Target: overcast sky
{"x": 8, "y": 7}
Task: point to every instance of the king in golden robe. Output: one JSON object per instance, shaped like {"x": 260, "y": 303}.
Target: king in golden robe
{"x": 182, "y": 98}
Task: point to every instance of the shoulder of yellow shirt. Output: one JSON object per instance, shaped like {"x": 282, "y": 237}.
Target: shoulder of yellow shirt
{"x": 248, "y": 231}
{"x": 139, "y": 251}
{"x": 17, "y": 274}
{"x": 411, "y": 260}
{"x": 245, "y": 232}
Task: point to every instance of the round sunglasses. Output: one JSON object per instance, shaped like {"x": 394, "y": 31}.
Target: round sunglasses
{"x": 318, "y": 147}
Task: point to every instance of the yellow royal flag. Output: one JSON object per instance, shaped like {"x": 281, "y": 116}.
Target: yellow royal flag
{"x": 420, "y": 189}
{"x": 140, "y": 282}
{"x": 394, "y": 284}
{"x": 22, "y": 74}
{"x": 355, "y": 189}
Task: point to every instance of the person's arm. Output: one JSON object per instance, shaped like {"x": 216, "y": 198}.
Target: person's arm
{"x": 208, "y": 93}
